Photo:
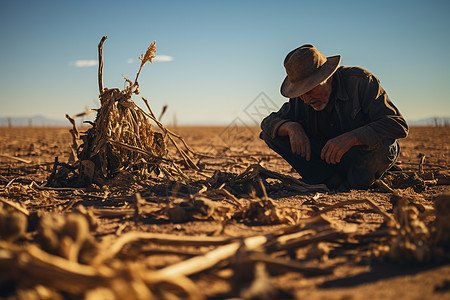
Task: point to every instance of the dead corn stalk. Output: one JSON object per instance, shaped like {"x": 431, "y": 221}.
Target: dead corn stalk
{"x": 122, "y": 137}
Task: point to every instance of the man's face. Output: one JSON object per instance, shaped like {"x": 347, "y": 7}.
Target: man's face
{"x": 319, "y": 96}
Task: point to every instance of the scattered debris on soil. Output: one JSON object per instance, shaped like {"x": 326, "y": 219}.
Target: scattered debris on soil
{"x": 122, "y": 211}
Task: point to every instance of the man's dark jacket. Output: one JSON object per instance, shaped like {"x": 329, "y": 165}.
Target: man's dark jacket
{"x": 361, "y": 106}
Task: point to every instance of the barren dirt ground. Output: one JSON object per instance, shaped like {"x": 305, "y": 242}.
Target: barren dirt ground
{"x": 347, "y": 256}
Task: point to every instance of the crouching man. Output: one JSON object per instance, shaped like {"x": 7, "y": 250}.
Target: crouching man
{"x": 339, "y": 126}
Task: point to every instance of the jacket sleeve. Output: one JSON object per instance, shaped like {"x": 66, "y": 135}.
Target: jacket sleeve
{"x": 385, "y": 120}
{"x": 272, "y": 122}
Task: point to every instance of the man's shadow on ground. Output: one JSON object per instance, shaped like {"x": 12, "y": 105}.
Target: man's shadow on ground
{"x": 384, "y": 270}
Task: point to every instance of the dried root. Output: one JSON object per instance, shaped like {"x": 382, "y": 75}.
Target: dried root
{"x": 69, "y": 237}
{"x": 419, "y": 181}
{"x": 411, "y": 241}
{"x": 195, "y": 208}
{"x": 264, "y": 211}
{"x": 414, "y": 237}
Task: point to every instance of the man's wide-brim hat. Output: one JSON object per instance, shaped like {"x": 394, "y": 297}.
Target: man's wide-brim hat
{"x": 306, "y": 67}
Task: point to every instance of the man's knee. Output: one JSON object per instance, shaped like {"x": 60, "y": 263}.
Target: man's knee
{"x": 371, "y": 165}
{"x": 280, "y": 144}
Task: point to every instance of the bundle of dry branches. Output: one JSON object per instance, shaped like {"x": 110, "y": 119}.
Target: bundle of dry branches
{"x": 122, "y": 138}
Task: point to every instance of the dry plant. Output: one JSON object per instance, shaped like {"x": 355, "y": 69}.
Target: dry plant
{"x": 416, "y": 233}
{"x": 122, "y": 138}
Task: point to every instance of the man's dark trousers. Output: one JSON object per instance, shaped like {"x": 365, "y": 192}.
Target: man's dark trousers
{"x": 358, "y": 169}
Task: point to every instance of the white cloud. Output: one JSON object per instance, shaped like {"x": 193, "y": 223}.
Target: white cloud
{"x": 162, "y": 58}
{"x": 84, "y": 63}
{"x": 157, "y": 58}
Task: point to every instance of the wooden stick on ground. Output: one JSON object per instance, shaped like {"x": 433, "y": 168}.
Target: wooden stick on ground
{"x": 15, "y": 206}
{"x": 46, "y": 188}
{"x": 302, "y": 241}
{"x": 421, "y": 162}
{"x": 9, "y": 183}
{"x": 203, "y": 262}
{"x": 166, "y": 239}
{"x": 16, "y": 158}
{"x": 256, "y": 170}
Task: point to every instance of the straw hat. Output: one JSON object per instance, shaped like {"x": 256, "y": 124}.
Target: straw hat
{"x": 306, "y": 67}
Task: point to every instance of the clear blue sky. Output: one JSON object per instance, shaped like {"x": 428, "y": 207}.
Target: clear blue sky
{"x": 216, "y": 57}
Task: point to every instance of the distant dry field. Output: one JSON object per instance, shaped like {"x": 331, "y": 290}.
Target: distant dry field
{"x": 217, "y": 235}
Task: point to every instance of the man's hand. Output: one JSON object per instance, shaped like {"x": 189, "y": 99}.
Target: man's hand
{"x": 335, "y": 148}
{"x": 299, "y": 140}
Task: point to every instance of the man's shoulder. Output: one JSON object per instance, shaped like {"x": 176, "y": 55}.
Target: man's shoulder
{"x": 349, "y": 80}
{"x": 349, "y": 71}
